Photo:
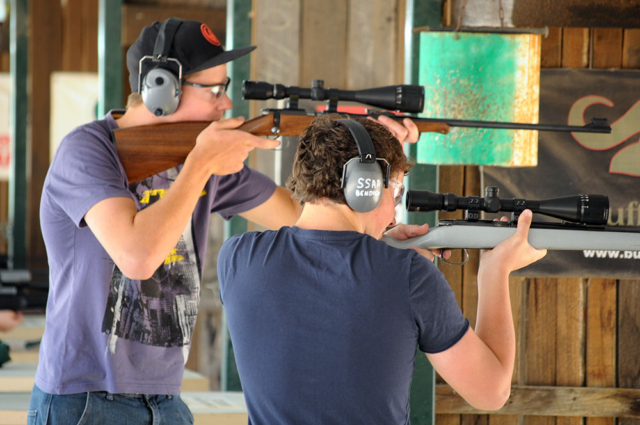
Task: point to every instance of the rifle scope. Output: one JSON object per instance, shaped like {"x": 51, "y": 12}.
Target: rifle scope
{"x": 403, "y": 98}
{"x": 586, "y": 209}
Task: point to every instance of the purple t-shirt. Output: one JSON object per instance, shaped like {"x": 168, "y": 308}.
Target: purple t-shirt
{"x": 104, "y": 331}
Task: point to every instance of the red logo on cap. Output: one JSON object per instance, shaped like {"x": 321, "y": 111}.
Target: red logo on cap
{"x": 209, "y": 35}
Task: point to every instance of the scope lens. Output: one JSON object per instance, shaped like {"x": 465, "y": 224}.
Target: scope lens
{"x": 594, "y": 209}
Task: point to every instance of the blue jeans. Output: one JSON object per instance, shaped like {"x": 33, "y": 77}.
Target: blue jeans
{"x": 105, "y": 408}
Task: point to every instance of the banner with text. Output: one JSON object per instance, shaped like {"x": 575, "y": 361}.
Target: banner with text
{"x": 574, "y": 163}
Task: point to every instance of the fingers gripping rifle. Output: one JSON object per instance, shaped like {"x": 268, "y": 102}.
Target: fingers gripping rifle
{"x": 150, "y": 149}
{"x": 584, "y": 225}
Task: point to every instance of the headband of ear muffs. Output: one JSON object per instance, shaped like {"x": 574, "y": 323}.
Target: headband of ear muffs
{"x": 362, "y": 180}
{"x": 160, "y": 87}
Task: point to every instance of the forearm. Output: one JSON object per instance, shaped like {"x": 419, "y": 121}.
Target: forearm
{"x": 159, "y": 226}
{"x": 494, "y": 320}
{"x": 139, "y": 241}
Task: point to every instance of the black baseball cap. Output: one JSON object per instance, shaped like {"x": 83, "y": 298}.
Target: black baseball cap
{"x": 194, "y": 45}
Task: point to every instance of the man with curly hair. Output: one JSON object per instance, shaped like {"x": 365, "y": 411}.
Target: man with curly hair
{"x": 325, "y": 318}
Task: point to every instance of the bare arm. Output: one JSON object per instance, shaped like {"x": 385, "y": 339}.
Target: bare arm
{"x": 479, "y": 367}
{"x": 279, "y": 210}
{"x": 139, "y": 241}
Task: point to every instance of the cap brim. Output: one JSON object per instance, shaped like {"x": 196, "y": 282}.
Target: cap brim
{"x": 223, "y": 58}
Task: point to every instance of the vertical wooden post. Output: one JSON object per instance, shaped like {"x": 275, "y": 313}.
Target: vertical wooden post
{"x": 540, "y": 351}
{"x": 601, "y": 338}
{"x": 575, "y": 47}
{"x": 628, "y": 338}
{"x": 631, "y": 49}
{"x": 607, "y": 48}
{"x": 570, "y": 339}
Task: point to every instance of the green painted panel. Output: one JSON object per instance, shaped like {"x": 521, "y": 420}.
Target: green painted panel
{"x": 110, "y": 56}
{"x": 472, "y": 76}
{"x": 423, "y": 392}
{"x": 420, "y": 13}
{"x": 19, "y": 64}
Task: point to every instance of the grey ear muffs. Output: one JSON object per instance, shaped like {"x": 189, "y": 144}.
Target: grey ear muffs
{"x": 362, "y": 180}
{"x": 160, "y": 87}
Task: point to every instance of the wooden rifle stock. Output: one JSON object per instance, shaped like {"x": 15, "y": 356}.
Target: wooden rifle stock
{"x": 150, "y": 149}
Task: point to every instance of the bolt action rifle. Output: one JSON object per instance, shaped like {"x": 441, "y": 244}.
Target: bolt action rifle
{"x": 149, "y": 149}
{"x": 584, "y": 227}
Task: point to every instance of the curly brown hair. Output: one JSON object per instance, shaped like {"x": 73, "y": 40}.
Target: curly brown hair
{"x": 325, "y": 146}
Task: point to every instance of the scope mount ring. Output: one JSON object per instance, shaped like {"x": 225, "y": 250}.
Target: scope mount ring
{"x": 456, "y": 264}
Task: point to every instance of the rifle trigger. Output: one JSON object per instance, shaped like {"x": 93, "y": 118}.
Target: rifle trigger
{"x": 275, "y": 130}
{"x": 456, "y": 264}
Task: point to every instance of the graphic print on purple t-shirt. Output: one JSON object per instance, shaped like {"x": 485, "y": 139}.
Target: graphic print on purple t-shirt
{"x": 160, "y": 311}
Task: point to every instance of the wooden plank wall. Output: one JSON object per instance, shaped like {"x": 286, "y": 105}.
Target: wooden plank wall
{"x": 571, "y": 333}
{"x": 64, "y": 37}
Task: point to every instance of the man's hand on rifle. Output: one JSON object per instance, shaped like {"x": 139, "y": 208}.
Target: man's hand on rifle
{"x": 515, "y": 252}
{"x": 405, "y": 231}
{"x": 405, "y": 132}
{"x": 224, "y": 148}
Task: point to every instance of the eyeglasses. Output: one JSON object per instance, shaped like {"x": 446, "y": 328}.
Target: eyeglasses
{"x": 216, "y": 89}
{"x": 398, "y": 190}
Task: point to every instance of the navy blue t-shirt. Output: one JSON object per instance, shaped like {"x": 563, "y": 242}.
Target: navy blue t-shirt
{"x": 325, "y": 324}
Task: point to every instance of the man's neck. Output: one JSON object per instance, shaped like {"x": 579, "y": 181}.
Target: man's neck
{"x": 135, "y": 116}
{"x": 327, "y": 215}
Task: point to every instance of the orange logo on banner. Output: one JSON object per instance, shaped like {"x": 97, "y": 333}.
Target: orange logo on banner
{"x": 209, "y": 35}
{"x": 5, "y": 150}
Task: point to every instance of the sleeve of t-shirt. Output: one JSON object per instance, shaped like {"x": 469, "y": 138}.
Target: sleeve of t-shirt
{"x": 83, "y": 172}
{"x": 241, "y": 192}
{"x": 225, "y": 264}
{"x": 435, "y": 310}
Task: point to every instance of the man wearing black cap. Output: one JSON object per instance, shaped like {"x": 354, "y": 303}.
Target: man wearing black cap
{"x": 126, "y": 261}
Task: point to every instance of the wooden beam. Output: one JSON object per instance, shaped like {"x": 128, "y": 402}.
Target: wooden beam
{"x": 570, "y": 340}
{"x": 601, "y": 339}
{"x": 540, "y": 341}
{"x": 607, "y": 48}
{"x": 323, "y": 47}
{"x": 551, "y": 49}
{"x": 551, "y": 401}
{"x": 575, "y": 47}
{"x": 371, "y": 51}
{"x": 452, "y": 181}
{"x": 631, "y": 49}
{"x": 136, "y": 17}
{"x": 628, "y": 337}
{"x": 89, "y": 61}
{"x": 277, "y": 60}
{"x": 72, "y": 35}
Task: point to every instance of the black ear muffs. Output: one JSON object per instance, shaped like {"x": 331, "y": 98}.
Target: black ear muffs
{"x": 363, "y": 181}
{"x": 161, "y": 87}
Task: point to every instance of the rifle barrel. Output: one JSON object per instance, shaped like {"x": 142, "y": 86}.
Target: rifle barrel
{"x": 588, "y": 128}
